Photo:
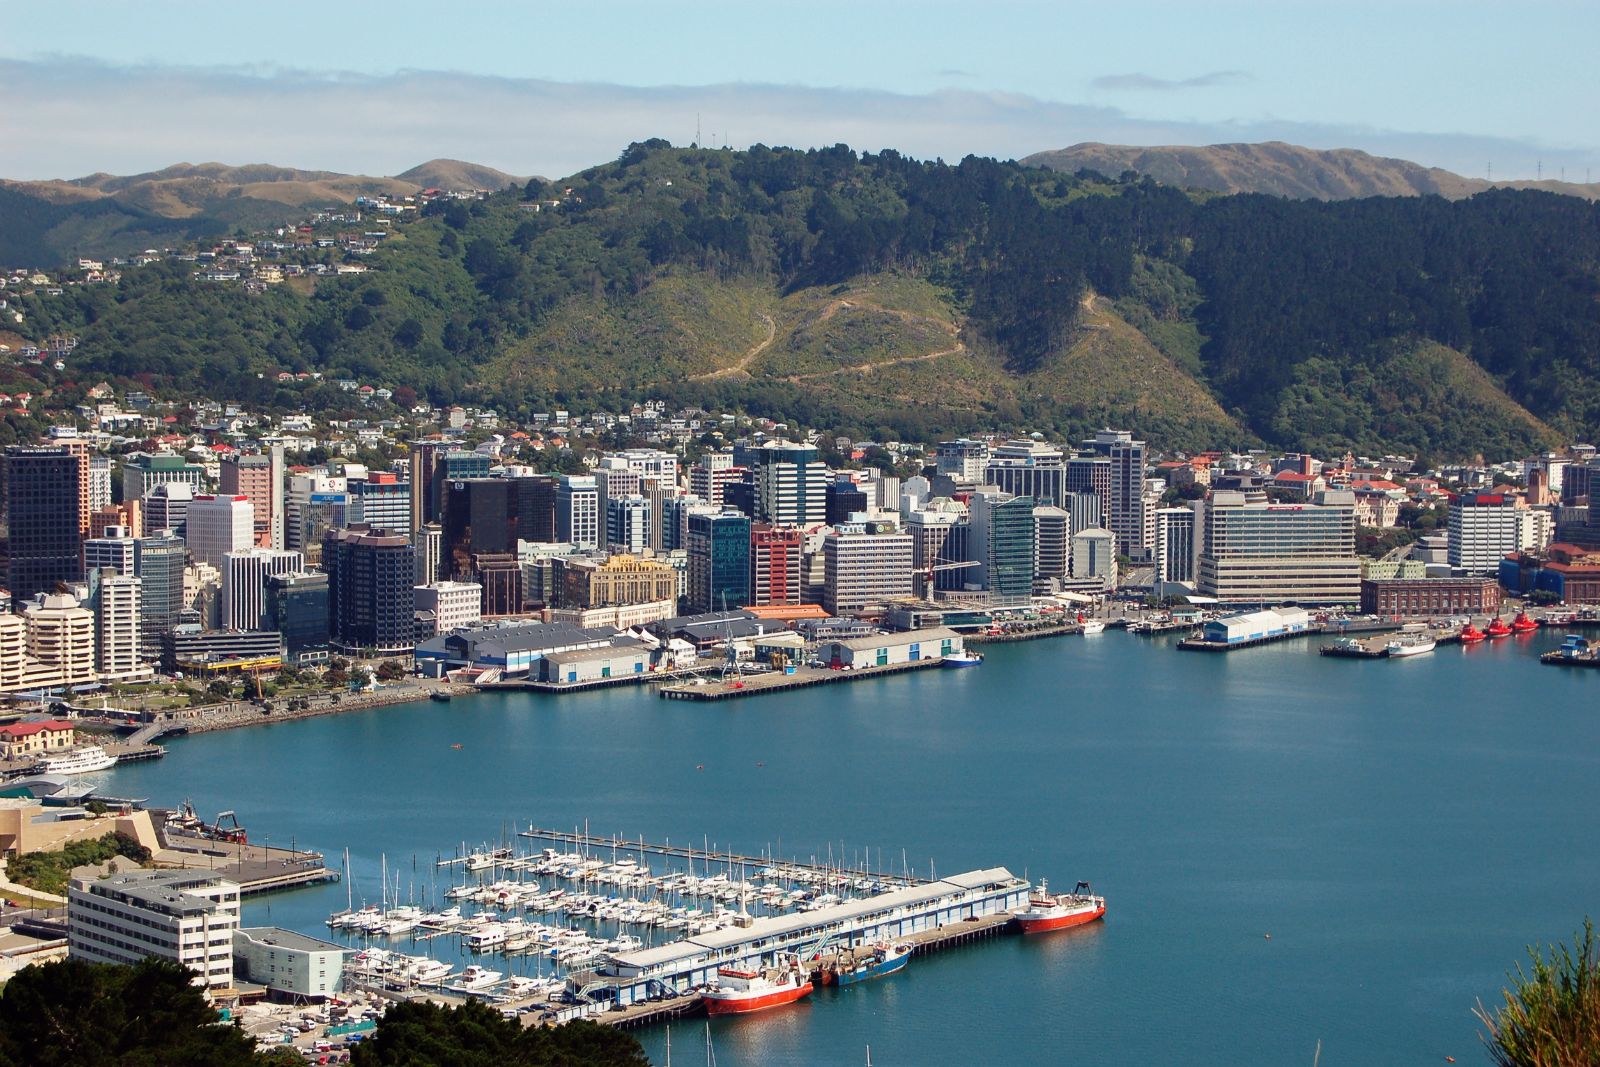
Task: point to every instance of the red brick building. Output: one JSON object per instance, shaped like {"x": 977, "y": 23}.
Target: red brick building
{"x": 1430, "y": 597}
{"x": 775, "y": 563}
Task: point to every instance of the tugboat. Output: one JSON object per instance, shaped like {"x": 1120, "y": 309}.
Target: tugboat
{"x": 1471, "y": 635}
{"x": 1522, "y": 624}
{"x": 738, "y": 992}
{"x": 1497, "y": 628}
{"x": 1045, "y": 912}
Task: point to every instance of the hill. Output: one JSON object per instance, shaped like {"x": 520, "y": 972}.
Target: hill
{"x": 46, "y": 223}
{"x": 889, "y": 297}
{"x": 1279, "y": 169}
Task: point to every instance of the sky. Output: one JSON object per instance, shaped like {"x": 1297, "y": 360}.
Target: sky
{"x": 1484, "y": 89}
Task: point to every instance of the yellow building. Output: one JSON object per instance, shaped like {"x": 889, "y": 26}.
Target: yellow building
{"x": 622, "y": 579}
{"x": 61, "y": 635}
{"x": 20, "y": 740}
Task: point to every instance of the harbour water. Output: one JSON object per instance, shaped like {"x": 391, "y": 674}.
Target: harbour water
{"x": 1402, "y": 830}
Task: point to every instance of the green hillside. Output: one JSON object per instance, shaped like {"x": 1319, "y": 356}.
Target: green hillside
{"x": 887, "y": 296}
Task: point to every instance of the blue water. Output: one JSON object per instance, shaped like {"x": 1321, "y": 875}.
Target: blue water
{"x": 1401, "y": 829}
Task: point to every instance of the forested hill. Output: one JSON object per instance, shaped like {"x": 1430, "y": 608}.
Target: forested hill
{"x": 891, "y": 296}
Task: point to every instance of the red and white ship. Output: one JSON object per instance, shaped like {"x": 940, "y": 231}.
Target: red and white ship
{"x": 1046, "y": 912}
{"x": 737, "y": 992}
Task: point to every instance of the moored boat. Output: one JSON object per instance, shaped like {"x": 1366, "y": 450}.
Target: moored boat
{"x": 1409, "y": 645}
{"x": 1470, "y": 634}
{"x": 962, "y": 659}
{"x": 1045, "y": 911}
{"x": 84, "y": 760}
{"x": 1522, "y": 624}
{"x": 1497, "y": 628}
{"x": 1092, "y": 626}
{"x": 739, "y": 992}
{"x": 884, "y": 959}
{"x": 439, "y": 696}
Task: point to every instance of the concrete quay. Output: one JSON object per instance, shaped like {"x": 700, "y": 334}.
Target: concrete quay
{"x": 755, "y": 684}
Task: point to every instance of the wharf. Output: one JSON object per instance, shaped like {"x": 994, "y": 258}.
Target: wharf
{"x": 257, "y": 868}
{"x": 1557, "y": 659}
{"x": 525, "y": 685}
{"x": 778, "y": 681}
{"x": 1378, "y": 647}
{"x": 1200, "y": 644}
{"x": 1024, "y": 635}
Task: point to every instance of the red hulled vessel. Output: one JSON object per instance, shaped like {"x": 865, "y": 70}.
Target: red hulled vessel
{"x": 1046, "y": 912}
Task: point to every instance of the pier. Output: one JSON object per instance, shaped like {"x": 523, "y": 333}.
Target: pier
{"x": 657, "y": 677}
{"x": 755, "y": 684}
{"x": 257, "y": 868}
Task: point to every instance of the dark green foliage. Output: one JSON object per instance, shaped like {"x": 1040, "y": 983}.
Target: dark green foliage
{"x": 76, "y": 1014}
{"x": 48, "y": 872}
{"x": 1551, "y": 1016}
{"x": 422, "y": 1034}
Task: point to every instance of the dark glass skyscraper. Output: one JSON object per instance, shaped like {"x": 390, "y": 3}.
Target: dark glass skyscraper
{"x": 719, "y": 561}
{"x": 369, "y": 589}
{"x": 42, "y": 507}
{"x": 158, "y": 563}
{"x": 297, "y": 607}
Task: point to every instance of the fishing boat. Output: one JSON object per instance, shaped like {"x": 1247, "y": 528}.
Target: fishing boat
{"x": 1471, "y": 635}
{"x": 1091, "y": 626}
{"x": 884, "y": 960}
{"x": 1522, "y": 624}
{"x": 1497, "y": 628}
{"x": 1409, "y": 645}
{"x": 1046, "y": 912}
{"x": 738, "y": 992}
{"x": 962, "y": 659}
{"x": 84, "y": 760}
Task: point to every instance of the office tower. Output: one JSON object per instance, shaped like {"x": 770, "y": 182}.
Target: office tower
{"x": 1000, "y": 539}
{"x": 479, "y": 517}
{"x": 1032, "y": 469}
{"x": 244, "y": 582}
{"x": 42, "y": 497}
{"x": 79, "y": 449}
{"x": 499, "y": 576}
{"x": 865, "y": 571}
{"x": 119, "y": 636}
{"x": 421, "y": 463}
{"x": 217, "y": 525}
{"x": 278, "y": 532}
{"x": 1484, "y": 529}
{"x": 536, "y": 509}
{"x": 251, "y": 477}
{"x": 932, "y": 530}
{"x": 1125, "y": 499}
{"x": 1264, "y": 553}
{"x": 453, "y": 466}
{"x": 1175, "y": 544}
{"x": 578, "y": 510}
{"x": 113, "y": 551}
{"x": 719, "y": 561}
{"x": 962, "y": 460}
{"x": 675, "y": 520}
{"x": 158, "y": 562}
{"x": 628, "y": 524}
{"x": 1052, "y": 547}
{"x": 1094, "y": 557}
{"x": 450, "y": 605}
{"x": 844, "y": 499}
{"x": 775, "y": 564}
{"x": 1086, "y": 509}
{"x": 143, "y": 471}
{"x": 166, "y": 507}
{"x": 296, "y": 605}
{"x": 99, "y": 483}
{"x": 370, "y": 574}
{"x": 61, "y": 635}
{"x": 116, "y": 919}
{"x": 382, "y": 501}
{"x": 711, "y": 474}
{"x": 427, "y": 546}
{"x": 1091, "y": 475}
{"x": 791, "y": 486}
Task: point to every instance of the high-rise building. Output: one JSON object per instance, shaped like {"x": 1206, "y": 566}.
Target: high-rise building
{"x": 499, "y": 575}
{"x": 1264, "y": 553}
{"x": 1094, "y": 557}
{"x": 166, "y": 507}
{"x": 119, "y": 637}
{"x": 845, "y": 499}
{"x": 1484, "y": 529}
{"x": 113, "y": 551}
{"x": 1052, "y": 547}
{"x": 421, "y": 465}
{"x": 1090, "y": 476}
{"x": 244, "y": 584}
{"x": 427, "y": 546}
{"x": 776, "y": 558}
{"x": 251, "y": 477}
{"x": 61, "y": 635}
{"x": 186, "y": 917}
{"x": 675, "y": 512}
{"x": 143, "y": 471}
{"x": 450, "y": 605}
{"x": 578, "y": 510}
{"x": 296, "y": 605}
{"x": 865, "y": 571}
{"x": 370, "y": 576}
{"x": 454, "y": 466}
{"x": 711, "y": 475}
{"x": 1175, "y": 544}
{"x": 962, "y": 459}
{"x": 628, "y": 524}
{"x": 99, "y": 483}
{"x": 719, "y": 561}
{"x": 217, "y": 525}
{"x": 791, "y": 487}
{"x": 1025, "y": 468}
{"x": 158, "y": 562}
{"x": 382, "y": 501}
{"x": 1125, "y": 490}
{"x": 80, "y": 450}
{"x": 42, "y": 497}
{"x": 932, "y": 531}
{"x": 1000, "y": 539}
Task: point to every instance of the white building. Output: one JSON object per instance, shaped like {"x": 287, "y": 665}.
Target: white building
{"x": 1094, "y": 557}
{"x": 1535, "y": 529}
{"x": 118, "y": 636}
{"x": 217, "y": 525}
{"x": 452, "y": 604}
{"x": 865, "y": 570}
{"x": 244, "y": 583}
{"x": 791, "y": 484}
{"x": 61, "y": 635}
{"x": 578, "y": 510}
{"x": 628, "y": 524}
{"x": 185, "y": 916}
{"x": 1484, "y": 529}
{"x": 287, "y": 962}
{"x": 99, "y": 482}
{"x": 114, "y": 551}
{"x": 1052, "y": 547}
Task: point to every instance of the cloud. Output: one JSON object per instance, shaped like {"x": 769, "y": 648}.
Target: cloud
{"x": 954, "y": 72}
{"x": 1150, "y": 83}
{"x": 67, "y": 117}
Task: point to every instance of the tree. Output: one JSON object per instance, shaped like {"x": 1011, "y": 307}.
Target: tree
{"x": 1551, "y": 1017}
{"x": 76, "y": 1014}
{"x": 423, "y": 1034}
